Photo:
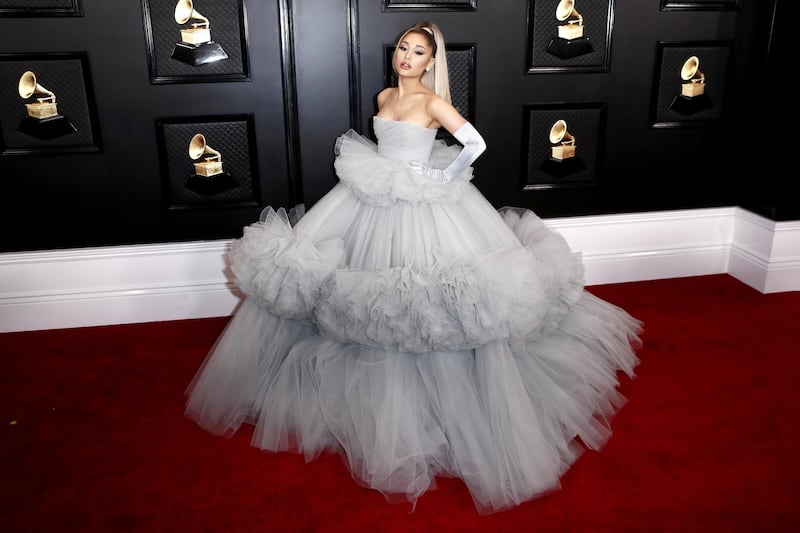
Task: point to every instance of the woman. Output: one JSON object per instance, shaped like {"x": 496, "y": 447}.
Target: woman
{"x": 408, "y": 325}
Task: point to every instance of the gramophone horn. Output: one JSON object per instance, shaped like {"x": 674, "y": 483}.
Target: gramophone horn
{"x": 558, "y": 131}
{"x": 184, "y": 10}
{"x": 198, "y": 147}
{"x": 565, "y": 9}
{"x": 690, "y": 67}
{"x": 28, "y": 86}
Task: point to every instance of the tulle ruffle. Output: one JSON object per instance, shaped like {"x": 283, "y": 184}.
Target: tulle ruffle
{"x": 381, "y": 181}
{"x": 508, "y": 417}
{"x": 453, "y": 305}
{"x": 281, "y": 269}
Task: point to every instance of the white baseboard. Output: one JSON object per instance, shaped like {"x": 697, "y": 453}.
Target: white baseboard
{"x": 766, "y": 254}
{"x": 148, "y": 283}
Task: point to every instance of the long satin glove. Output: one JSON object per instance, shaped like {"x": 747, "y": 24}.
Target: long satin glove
{"x": 474, "y": 146}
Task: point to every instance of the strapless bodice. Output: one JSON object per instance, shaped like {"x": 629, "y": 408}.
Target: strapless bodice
{"x": 403, "y": 141}
{"x": 377, "y": 171}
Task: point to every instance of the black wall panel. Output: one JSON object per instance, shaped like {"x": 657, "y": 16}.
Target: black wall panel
{"x": 312, "y": 69}
{"x": 117, "y": 195}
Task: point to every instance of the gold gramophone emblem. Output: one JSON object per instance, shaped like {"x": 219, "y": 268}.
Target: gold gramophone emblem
{"x": 43, "y": 107}
{"x": 212, "y": 164}
{"x": 573, "y": 20}
{"x": 42, "y": 119}
{"x": 570, "y": 41}
{"x": 695, "y": 80}
{"x": 198, "y": 32}
{"x": 196, "y": 47}
{"x": 563, "y": 142}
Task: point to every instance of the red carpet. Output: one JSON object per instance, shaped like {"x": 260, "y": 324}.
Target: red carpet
{"x": 94, "y": 437}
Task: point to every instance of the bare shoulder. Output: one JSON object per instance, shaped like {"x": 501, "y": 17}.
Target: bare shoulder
{"x": 444, "y": 112}
{"x": 385, "y": 94}
{"x": 436, "y": 104}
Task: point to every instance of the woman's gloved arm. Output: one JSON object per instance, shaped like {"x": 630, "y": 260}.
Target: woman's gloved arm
{"x": 473, "y": 146}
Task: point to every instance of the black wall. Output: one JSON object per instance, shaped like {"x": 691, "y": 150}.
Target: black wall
{"x": 307, "y": 71}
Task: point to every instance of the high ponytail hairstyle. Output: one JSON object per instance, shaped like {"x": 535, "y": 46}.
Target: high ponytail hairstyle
{"x": 437, "y": 78}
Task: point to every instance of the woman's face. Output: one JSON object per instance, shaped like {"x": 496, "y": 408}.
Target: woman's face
{"x": 412, "y": 55}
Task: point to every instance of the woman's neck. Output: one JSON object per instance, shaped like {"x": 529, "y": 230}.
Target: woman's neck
{"x": 410, "y": 86}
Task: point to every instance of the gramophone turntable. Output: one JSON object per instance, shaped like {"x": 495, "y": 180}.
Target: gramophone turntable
{"x": 196, "y": 47}
{"x": 693, "y": 97}
{"x": 209, "y": 178}
{"x": 570, "y": 42}
{"x": 43, "y": 120}
{"x": 563, "y": 159}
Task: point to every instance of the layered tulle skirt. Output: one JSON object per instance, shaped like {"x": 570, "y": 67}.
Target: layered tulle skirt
{"x": 418, "y": 332}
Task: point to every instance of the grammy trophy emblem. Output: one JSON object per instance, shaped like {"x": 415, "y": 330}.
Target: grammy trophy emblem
{"x": 196, "y": 47}
{"x": 42, "y": 120}
{"x": 693, "y": 97}
{"x": 570, "y": 41}
{"x": 563, "y": 159}
{"x": 208, "y": 178}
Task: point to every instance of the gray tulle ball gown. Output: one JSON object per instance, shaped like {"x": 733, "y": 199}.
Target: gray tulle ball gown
{"x": 418, "y": 331}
